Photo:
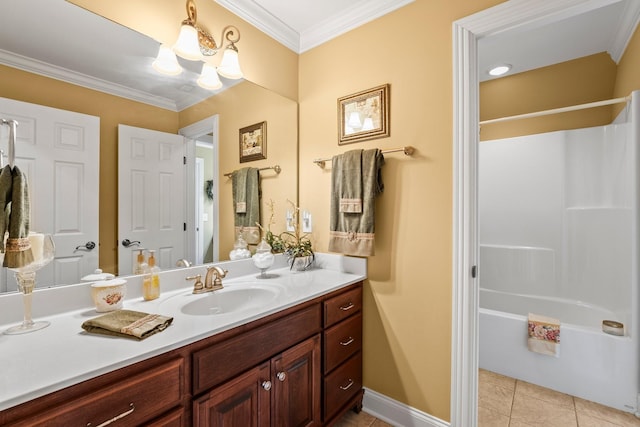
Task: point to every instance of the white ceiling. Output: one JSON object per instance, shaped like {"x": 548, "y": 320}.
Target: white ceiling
{"x": 60, "y": 40}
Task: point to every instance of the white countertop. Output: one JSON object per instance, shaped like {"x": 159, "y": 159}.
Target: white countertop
{"x": 63, "y": 354}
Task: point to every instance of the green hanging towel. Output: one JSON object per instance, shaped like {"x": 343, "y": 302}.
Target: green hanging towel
{"x": 5, "y": 202}
{"x": 18, "y": 249}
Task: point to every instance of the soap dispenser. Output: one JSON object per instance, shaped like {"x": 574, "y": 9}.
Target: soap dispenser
{"x": 151, "y": 280}
{"x": 140, "y": 264}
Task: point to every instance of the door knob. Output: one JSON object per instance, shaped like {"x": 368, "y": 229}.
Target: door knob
{"x": 87, "y": 246}
{"x": 128, "y": 243}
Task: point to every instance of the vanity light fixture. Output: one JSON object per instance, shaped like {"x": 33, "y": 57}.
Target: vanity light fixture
{"x": 499, "y": 70}
{"x": 196, "y": 44}
{"x": 166, "y": 62}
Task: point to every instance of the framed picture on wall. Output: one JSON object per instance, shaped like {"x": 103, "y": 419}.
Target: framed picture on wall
{"x": 253, "y": 142}
{"x": 364, "y": 115}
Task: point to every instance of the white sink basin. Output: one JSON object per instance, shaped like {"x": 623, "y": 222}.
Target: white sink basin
{"x": 238, "y": 297}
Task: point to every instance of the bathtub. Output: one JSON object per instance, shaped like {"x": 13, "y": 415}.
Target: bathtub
{"x": 591, "y": 365}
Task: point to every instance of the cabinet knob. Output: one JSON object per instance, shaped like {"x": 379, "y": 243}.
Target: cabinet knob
{"x": 266, "y": 385}
{"x": 281, "y": 376}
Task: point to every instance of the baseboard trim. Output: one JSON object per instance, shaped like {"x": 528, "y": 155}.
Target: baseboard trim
{"x": 397, "y": 413}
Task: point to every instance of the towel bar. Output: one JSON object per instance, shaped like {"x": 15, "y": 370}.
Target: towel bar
{"x": 276, "y": 168}
{"x": 408, "y": 151}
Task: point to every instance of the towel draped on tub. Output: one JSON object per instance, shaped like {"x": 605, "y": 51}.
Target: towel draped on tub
{"x": 245, "y": 185}
{"x": 544, "y": 335}
{"x": 356, "y": 180}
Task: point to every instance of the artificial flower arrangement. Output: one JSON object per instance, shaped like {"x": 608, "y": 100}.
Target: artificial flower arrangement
{"x": 294, "y": 244}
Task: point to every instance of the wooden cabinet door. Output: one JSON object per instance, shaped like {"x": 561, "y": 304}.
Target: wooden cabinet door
{"x": 244, "y": 401}
{"x": 296, "y": 383}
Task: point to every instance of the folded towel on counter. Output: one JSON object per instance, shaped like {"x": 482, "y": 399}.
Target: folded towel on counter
{"x": 246, "y": 203}
{"x": 128, "y": 323}
{"x": 18, "y": 248}
{"x": 544, "y": 335}
{"x": 351, "y": 181}
{"x": 352, "y": 233}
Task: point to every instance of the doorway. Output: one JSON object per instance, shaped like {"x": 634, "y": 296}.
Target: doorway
{"x": 466, "y": 33}
{"x": 202, "y": 204}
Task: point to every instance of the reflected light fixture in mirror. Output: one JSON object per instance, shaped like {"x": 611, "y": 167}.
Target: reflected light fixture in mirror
{"x": 195, "y": 44}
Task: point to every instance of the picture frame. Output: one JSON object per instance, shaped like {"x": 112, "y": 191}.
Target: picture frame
{"x": 364, "y": 115}
{"x": 253, "y": 142}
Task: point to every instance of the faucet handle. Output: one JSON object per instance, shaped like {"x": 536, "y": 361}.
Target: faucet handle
{"x": 198, "y": 286}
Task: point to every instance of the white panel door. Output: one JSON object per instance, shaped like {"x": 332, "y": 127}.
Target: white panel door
{"x": 59, "y": 152}
{"x": 150, "y": 196}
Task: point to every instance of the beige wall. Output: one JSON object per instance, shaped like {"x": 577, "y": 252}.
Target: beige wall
{"x": 244, "y": 105}
{"x": 407, "y": 313}
{"x": 580, "y": 81}
{"x": 112, "y": 110}
{"x": 628, "y": 77}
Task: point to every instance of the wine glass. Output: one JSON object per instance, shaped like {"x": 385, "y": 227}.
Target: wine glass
{"x": 43, "y": 250}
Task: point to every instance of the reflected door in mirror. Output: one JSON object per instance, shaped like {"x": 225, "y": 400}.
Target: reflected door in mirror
{"x": 150, "y": 196}
{"x": 58, "y": 151}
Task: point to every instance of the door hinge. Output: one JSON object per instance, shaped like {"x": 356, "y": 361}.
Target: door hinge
{"x": 474, "y": 271}
{"x": 184, "y": 226}
{"x": 184, "y": 160}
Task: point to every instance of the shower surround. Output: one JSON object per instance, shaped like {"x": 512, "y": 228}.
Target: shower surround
{"x": 558, "y": 216}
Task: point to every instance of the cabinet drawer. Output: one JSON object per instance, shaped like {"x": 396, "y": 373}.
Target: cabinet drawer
{"x": 175, "y": 418}
{"x": 342, "y": 306}
{"x": 220, "y": 362}
{"x": 342, "y": 384}
{"x": 341, "y": 341}
{"x": 132, "y": 401}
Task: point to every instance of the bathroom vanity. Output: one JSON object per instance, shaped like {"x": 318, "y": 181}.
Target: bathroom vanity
{"x": 299, "y": 363}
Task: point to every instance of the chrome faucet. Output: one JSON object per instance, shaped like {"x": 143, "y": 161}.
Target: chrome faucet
{"x": 211, "y": 283}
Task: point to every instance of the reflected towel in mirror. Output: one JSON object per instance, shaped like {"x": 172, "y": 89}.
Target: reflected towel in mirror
{"x": 246, "y": 203}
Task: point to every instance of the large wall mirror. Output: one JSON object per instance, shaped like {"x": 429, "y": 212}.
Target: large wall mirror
{"x": 61, "y": 78}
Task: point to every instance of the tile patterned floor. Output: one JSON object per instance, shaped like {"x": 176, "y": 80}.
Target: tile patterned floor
{"x": 506, "y": 402}
{"x": 351, "y": 419}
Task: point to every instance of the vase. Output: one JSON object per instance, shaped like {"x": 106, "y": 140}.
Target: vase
{"x": 301, "y": 263}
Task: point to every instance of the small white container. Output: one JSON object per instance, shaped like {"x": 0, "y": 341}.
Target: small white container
{"x": 108, "y": 295}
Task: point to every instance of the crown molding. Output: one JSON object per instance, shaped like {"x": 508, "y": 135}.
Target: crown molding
{"x": 59, "y": 73}
{"x": 353, "y": 17}
{"x": 257, "y": 16}
{"x": 627, "y": 27}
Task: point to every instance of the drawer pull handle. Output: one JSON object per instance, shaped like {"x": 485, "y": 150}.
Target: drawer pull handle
{"x": 348, "y": 386}
{"x": 281, "y": 376}
{"x": 347, "y": 307}
{"x": 117, "y": 417}
{"x": 347, "y": 342}
{"x": 266, "y": 385}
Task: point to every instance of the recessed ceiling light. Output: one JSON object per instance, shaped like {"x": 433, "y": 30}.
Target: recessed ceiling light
{"x": 500, "y": 69}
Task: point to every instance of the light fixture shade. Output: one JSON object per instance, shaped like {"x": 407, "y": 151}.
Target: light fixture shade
{"x": 230, "y": 65}
{"x": 187, "y": 45}
{"x": 209, "y": 78}
{"x": 166, "y": 62}
{"x": 368, "y": 124}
